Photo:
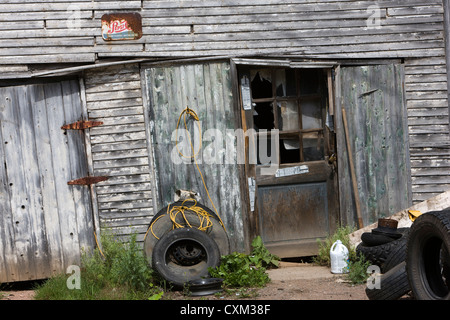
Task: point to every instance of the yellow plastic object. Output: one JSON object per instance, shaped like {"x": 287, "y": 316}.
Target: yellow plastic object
{"x": 414, "y": 214}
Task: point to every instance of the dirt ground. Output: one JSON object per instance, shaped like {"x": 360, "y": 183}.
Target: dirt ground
{"x": 291, "y": 281}
{"x": 299, "y": 281}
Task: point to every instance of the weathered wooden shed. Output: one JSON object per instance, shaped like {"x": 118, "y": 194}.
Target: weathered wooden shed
{"x": 295, "y": 68}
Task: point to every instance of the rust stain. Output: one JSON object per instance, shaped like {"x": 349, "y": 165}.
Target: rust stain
{"x": 80, "y": 125}
{"x": 87, "y": 181}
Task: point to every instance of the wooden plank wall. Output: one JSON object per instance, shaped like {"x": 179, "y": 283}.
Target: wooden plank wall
{"x": 70, "y": 30}
{"x": 45, "y": 224}
{"x": 379, "y": 151}
{"x": 327, "y": 29}
{"x": 119, "y": 150}
{"x": 428, "y": 120}
{"x": 207, "y": 89}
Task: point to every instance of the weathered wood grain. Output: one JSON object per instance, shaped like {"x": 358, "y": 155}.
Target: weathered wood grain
{"x": 46, "y": 223}
{"x": 206, "y": 88}
{"x": 377, "y": 123}
{"x": 119, "y": 149}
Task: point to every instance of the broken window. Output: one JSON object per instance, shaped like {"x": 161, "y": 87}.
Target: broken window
{"x": 294, "y": 102}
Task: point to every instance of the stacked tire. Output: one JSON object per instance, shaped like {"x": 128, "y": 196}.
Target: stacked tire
{"x": 389, "y": 254}
{"x": 184, "y": 254}
{"x": 427, "y": 258}
{"x": 419, "y": 261}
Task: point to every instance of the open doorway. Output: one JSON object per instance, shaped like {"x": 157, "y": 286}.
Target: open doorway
{"x": 296, "y": 203}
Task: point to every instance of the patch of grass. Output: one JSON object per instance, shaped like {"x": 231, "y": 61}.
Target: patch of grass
{"x": 357, "y": 263}
{"x": 121, "y": 273}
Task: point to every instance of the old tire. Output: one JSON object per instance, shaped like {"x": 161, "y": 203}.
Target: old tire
{"x": 427, "y": 256}
{"x": 378, "y": 255}
{"x": 162, "y": 224}
{"x": 395, "y": 257}
{"x": 393, "y": 284}
{"x": 184, "y": 255}
{"x": 371, "y": 239}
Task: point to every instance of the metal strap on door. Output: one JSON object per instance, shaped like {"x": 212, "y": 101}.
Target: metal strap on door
{"x": 81, "y": 125}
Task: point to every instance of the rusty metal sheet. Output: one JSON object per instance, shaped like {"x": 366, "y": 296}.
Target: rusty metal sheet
{"x": 80, "y": 125}
{"x": 121, "y": 26}
{"x": 87, "y": 181}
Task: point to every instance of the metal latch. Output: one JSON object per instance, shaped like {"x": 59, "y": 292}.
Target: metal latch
{"x": 82, "y": 124}
{"x": 87, "y": 180}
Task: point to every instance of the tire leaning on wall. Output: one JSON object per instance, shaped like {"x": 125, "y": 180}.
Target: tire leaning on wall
{"x": 184, "y": 255}
{"x": 427, "y": 258}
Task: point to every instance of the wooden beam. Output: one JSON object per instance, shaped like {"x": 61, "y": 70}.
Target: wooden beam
{"x": 439, "y": 202}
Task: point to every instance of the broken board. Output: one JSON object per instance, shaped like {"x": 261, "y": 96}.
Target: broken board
{"x": 438, "y": 202}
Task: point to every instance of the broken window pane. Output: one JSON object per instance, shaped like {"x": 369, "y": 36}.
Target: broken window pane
{"x": 311, "y": 114}
{"x": 285, "y": 83}
{"x": 289, "y": 150}
{"x": 313, "y": 146}
{"x": 261, "y": 83}
{"x": 289, "y": 115}
{"x": 263, "y": 116}
{"x": 310, "y": 81}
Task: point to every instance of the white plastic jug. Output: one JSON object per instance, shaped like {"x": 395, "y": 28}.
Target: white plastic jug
{"x": 339, "y": 257}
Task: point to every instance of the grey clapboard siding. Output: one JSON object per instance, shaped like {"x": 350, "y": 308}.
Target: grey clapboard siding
{"x": 205, "y": 88}
{"x": 428, "y": 122}
{"x": 119, "y": 150}
{"x": 68, "y": 30}
{"x": 45, "y": 223}
{"x": 323, "y": 29}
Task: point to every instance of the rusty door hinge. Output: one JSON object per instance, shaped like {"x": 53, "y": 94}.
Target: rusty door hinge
{"x": 87, "y": 180}
{"x": 83, "y": 124}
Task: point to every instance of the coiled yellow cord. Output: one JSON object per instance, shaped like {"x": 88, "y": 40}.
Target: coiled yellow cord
{"x": 203, "y": 216}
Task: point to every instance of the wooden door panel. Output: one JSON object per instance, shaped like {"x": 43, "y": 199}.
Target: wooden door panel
{"x": 44, "y": 223}
{"x": 373, "y": 99}
{"x": 293, "y": 212}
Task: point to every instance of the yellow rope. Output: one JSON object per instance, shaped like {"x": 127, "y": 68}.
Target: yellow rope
{"x": 203, "y": 216}
{"x": 98, "y": 245}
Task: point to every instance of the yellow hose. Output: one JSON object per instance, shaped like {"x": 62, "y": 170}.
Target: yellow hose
{"x": 203, "y": 216}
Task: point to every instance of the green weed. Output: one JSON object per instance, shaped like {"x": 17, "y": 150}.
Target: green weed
{"x": 357, "y": 263}
{"x": 121, "y": 273}
{"x": 242, "y": 270}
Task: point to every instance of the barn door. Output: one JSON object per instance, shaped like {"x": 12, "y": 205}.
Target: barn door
{"x": 373, "y": 98}
{"x": 290, "y": 158}
{"x": 206, "y": 89}
{"x": 44, "y": 222}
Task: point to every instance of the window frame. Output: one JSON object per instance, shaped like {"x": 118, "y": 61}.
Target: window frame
{"x": 322, "y": 96}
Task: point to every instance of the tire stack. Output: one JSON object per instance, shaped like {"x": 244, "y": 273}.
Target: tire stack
{"x": 386, "y": 248}
{"x": 417, "y": 261}
{"x": 183, "y": 255}
{"x": 427, "y": 256}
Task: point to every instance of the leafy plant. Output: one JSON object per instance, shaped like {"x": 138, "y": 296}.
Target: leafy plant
{"x": 242, "y": 270}
{"x": 358, "y": 269}
{"x": 260, "y": 256}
